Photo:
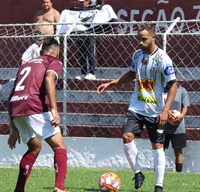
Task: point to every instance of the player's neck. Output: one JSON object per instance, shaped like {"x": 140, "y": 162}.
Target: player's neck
{"x": 151, "y": 50}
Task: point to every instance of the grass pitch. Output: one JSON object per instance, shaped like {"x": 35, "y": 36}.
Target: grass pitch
{"x": 86, "y": 179}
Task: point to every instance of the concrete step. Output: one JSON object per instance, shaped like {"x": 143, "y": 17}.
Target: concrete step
{"x": 93, "y": 96}
{"x": 109, "y": 96}
{"x": 109, "y": 108}
{"x": 102, "y": 73}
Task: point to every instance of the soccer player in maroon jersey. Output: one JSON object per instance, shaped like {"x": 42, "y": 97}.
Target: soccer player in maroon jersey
{"x": 30, "y": 119}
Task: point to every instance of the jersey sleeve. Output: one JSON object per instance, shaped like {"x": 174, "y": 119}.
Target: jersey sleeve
{"x": 56, "y": 67}
{"x": 185, "y": 98}
{"x": 167, "y": 69}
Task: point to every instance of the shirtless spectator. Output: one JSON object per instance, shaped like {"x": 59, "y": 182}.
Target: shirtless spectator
{"x": 46, "y": 15}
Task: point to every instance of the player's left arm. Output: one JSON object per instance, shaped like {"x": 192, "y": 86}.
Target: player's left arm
{"x": 171, "y": 94}
{"x": 167, "y": 70}
{"x": 162, "y": 118}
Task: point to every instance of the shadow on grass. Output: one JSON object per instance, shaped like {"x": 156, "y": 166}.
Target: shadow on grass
{"x": 92, "y": 189}
{"x": 48, "y": 188}
{"x": 73, "y": 189}
{"x": 83, "y": 189}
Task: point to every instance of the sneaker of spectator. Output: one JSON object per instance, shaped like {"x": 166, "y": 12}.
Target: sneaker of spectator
{"x": 90, "y": 76}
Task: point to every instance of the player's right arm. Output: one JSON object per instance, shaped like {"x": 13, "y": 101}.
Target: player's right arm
{"x": 14, "y": 133}
{"x": 127, "y": 77}
{"x": 51, "y": 93}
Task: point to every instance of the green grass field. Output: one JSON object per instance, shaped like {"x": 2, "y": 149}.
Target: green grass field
{"x": 86, "y": 179}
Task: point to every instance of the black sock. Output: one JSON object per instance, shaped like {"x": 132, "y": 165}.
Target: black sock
{"x": 179, "y": 167}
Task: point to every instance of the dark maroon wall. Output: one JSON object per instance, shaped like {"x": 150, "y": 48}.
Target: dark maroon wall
{"x": 23, "y": 11}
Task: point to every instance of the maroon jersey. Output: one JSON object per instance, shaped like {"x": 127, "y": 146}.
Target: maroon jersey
{"x": 29, "y": 95}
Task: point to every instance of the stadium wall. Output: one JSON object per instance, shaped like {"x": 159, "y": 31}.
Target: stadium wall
{"x": 20, "y": 11}
{"x": 101, "y": 153}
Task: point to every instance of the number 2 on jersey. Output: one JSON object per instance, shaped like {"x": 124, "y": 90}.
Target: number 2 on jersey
{"x": 24, "y": 72}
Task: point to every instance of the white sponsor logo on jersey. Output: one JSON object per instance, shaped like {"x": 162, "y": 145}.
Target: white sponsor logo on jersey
{"x": 36, "y": 60}
{"x": 18, "y": 98}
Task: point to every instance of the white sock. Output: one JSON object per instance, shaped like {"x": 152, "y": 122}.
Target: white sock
{"x": 159, "y": 165}
{"x": 131, "y": 153}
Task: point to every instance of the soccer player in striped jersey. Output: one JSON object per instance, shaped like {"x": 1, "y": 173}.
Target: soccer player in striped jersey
{"x": 151, "y": 68}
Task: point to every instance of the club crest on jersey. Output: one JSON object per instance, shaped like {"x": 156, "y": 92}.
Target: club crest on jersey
{"x": 87, "y": 16}
{"x": 169, "y": 70}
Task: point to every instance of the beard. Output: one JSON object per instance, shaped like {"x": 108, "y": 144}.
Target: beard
{"x": 147, "y": 47}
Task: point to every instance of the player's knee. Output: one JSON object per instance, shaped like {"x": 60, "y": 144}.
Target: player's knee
{"x": 59, "y": 144}
{"x": 35, "y": 150}
{"x": 34, "y": 146}
{"x": 59, "y": 147}
{"x": 157, "y": 146}
{"x": 127, "y": 137}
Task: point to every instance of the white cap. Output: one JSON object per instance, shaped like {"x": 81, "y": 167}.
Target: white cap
{"x": 81, "y": 0}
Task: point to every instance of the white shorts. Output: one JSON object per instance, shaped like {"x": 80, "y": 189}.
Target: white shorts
{"x": 37, "y": 125}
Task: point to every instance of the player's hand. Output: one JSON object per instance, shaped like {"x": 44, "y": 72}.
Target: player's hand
{"x": 162, "y": 118}
{"x": 102, "y": 88}
{"x": 13, "y": 136}
{"x": 56, "y": 118}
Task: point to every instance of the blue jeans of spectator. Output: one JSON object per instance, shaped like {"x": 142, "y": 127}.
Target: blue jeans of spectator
{"x": 86, "y": 46}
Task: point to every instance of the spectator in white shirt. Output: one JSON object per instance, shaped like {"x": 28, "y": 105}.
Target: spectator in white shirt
{"x": 33, "y": 51}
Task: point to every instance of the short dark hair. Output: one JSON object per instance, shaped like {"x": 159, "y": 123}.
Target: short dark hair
{"x": 49, "y": 43}
{"x": 146, "y": 26}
